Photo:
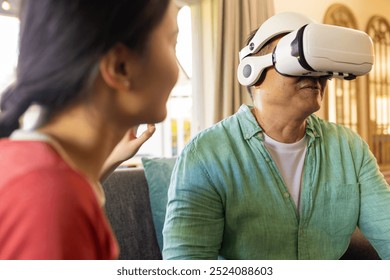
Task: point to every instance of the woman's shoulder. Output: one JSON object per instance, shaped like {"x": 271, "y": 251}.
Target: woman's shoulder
{"x": 34, "y": 169}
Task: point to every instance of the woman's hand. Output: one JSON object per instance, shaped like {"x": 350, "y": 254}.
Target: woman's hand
{"x": 126, "y": 148}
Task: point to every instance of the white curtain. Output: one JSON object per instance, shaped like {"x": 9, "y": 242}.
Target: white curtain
{"x": 220, "y": 30}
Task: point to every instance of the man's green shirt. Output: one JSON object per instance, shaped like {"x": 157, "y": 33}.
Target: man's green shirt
{"x": 227, "y": 197}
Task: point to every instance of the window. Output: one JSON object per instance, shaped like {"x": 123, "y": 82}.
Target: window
{"x": 9, "y": 33}
{"x": 8, "y": 50}
{"x": 379, "y": 88}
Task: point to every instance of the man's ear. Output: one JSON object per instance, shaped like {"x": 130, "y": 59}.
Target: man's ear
{"x": 116, "y": 67}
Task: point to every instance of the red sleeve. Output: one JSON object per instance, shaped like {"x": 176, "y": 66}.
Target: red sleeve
{"x": 52, "y": 215}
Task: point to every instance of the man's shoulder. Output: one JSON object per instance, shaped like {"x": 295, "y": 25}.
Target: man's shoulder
{"x": 217, "y": 136}
{"x": 227, "y": 126}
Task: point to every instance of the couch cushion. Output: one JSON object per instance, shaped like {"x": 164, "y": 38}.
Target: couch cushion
{"x": 128, "y": 209}
{"x": 158, "y": 175}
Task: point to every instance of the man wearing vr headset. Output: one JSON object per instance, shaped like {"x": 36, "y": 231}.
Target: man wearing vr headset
{"x": 274, "y": 181}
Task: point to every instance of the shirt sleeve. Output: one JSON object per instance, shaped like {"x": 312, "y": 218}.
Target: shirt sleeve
{"x": 48, "y": 215}
{"x": 374, "y": 219}
{"x": 194, "y": 220}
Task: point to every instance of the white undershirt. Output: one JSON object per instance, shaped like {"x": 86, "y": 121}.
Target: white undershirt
{"x": 289, "y": 159}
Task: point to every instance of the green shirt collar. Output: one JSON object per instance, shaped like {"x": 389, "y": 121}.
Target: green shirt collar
{"x": 251, "y": 128}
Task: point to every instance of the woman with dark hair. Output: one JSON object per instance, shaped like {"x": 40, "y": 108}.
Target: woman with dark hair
{"x": 95, "y": 69}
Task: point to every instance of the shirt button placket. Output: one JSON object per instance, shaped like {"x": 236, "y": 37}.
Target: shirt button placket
{"x": 302, "y": 251}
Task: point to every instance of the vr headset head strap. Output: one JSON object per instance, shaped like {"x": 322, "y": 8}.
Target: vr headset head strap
{"x": 272, "y": 27}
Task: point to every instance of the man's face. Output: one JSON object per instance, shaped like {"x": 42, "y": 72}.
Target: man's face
{"x": 295, "y": 96}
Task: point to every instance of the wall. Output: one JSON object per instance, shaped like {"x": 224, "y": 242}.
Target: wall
{"x": 362, "y": 9}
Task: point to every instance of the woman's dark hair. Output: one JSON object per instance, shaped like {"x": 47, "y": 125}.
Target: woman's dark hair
{"x": 61, "y": 42}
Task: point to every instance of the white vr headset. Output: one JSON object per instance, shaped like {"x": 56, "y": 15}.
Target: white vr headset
{"x": 313, "y": 50}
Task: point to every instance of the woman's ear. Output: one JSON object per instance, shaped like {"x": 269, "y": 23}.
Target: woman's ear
{"x": 116, "y": 67}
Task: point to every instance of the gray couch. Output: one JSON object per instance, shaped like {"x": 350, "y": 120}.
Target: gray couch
{"x": 129, "y": 211}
